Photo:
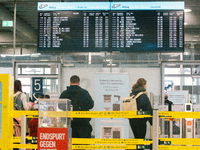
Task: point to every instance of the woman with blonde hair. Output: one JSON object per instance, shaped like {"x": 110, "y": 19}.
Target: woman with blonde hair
{"x": 138, "y": 125}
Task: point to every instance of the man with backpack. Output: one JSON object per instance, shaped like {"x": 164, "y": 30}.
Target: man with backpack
{"x": 81, "y": 101}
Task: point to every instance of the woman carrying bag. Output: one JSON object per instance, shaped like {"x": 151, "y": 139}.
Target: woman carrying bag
{"x": 138, "y": 125}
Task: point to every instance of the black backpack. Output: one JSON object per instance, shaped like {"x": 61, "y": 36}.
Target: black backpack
{"x": 74, "y": 101}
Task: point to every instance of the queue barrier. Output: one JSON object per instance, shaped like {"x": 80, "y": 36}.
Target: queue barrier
{"x": 96, "y": 143}
{"x": 109, "y": 114}
{"x": 86, "y": 114}
{"x": 81, "y": 143}
{"x": 165, "y": 143}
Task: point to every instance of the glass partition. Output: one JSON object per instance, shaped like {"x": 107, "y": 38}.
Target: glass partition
{"x": 53, "y": 113}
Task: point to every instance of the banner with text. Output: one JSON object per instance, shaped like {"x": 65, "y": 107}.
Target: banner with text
{"x": 52, "y": 138}
{"x": 110, "y": 88}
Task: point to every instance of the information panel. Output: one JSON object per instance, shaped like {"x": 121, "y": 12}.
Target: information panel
{"x": 109, "y": 26}
{"x": 74, "y": 31}
{"x": 145, "y": 30}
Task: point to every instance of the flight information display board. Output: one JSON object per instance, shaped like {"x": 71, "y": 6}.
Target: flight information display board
{"x": 74, "y": 31}
{"x": 109, "y": 26}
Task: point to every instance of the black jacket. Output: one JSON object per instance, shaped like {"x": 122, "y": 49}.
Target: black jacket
{"x": 143, "y": 102}
{"x": 169, "y": 103}
{"x": 85, "y": 100}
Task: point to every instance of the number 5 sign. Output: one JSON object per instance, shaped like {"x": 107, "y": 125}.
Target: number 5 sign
{"x": 36, "y": 87}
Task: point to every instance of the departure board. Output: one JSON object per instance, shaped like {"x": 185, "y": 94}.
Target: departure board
{"x": 109, "y": 26}
{"x": 152, "y": 31}
{"x": 74, "y": 30}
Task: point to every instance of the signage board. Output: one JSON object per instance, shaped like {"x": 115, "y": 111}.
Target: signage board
{"x": 52, "y": 138}
{"x": 37, "y": 89}
{"x": 177, "y": 97}
{"x": 7, "y": 23}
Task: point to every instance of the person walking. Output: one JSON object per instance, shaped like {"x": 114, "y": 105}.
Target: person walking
{"x": 81, "y": 101}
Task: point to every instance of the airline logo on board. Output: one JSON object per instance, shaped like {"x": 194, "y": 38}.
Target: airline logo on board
{"x": 116, "y": 5}
{"x": 43, "y": 6}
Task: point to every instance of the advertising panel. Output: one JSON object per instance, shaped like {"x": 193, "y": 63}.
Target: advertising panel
{"x": 109, "y": 90}
{"x": 52, "y": 138}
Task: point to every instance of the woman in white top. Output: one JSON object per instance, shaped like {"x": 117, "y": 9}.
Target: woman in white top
{"x": 17, "y": 91}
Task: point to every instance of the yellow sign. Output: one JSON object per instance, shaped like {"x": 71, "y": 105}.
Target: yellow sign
{"x": 104, "y": 147}
{"x": 174, "y": 114}
{"x": 164, "y": 147}
{"x": 182, "y": 141}
{"x": 106, "y": 114}
{"x": 110, "y": 141}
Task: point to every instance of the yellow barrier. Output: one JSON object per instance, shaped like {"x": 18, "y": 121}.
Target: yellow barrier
{"x": 104, "y": 147}
{"x": 111, "y": 141}
{"x": 27, "y": 146}
{"x": 7, "y": 140}
{"x": 181, "y": 141}
{"x": 7, "y": 84}
{"x": 86, "y": 114}
{"x": 164, "y": 147}
{"x": 81, "y": 143}
{"x": 108, "y": 114}
{"x": 175, "y": 114}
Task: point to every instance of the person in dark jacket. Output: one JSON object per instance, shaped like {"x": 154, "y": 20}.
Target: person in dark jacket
{"x": 81, "y": 127}
{"x": 167, "y": 123}
{"x": 168, "y": 102}
{"x": 138, "y": 125}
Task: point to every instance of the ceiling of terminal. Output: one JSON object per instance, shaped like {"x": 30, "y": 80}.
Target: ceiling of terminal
{"x": 26, "y": 31}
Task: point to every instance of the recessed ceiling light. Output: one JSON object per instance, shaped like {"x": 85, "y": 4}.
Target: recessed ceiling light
{"x": 3, "y": 55}
{"x": 187, "y": 10}
{"x": 185, "y": 23}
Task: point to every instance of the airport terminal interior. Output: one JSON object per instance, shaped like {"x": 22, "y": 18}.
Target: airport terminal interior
{"x": 175, "y": 71}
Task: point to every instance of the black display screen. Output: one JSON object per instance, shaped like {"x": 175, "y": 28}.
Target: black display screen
{"x": 152, "y": 31}
{"x": 77, "y": 31}
{"x": 111, "y": 30}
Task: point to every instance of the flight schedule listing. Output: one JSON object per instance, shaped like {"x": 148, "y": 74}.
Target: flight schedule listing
{"x": 74, "y": 30}
{"x": 147, "y": 30}
{"x": 94, "y": 31}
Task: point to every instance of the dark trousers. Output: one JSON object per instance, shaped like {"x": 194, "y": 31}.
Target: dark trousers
{"x": 139, "y": 127}
{"x": 81, "y": 129}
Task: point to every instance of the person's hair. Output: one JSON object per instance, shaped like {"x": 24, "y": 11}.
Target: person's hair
{"x": 41, "y": 96}
{"x": 140, "y": 82}
{"x": 51, "y": 107}
{"x": 46, "y": 96}
{"x": 74, "y": 79}
{"x": 166, "y": 96}
{"x": 34, "y": 109}
{"x": 17, "y": 86}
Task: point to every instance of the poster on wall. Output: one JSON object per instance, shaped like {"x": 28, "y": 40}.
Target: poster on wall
{"x": 178, "y": 97}
{"x": 109, "y": 90}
